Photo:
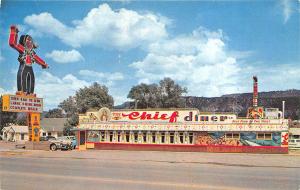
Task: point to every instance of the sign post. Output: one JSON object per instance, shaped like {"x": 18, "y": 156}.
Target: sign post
{"x": 25, "y": 100}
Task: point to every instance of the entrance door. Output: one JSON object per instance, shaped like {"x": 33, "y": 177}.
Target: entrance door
{"x": 82, "y": 140}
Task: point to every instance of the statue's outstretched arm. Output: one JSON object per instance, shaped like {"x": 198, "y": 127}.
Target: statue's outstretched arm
{"x": 13, "y": 39}
{"x": 39, "y": 61}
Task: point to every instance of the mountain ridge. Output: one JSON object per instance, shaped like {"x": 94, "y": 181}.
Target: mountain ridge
{"x": 239, "y": 102}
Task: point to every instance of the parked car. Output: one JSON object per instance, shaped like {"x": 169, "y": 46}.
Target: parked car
{"x": 46, "y": 138}
{"x": 294, "y": 143}
{"x": 74, "y": 141}
{"x": 62, "y": 143}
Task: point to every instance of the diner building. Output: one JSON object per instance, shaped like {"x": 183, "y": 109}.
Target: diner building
{"x": 182, "y": 130}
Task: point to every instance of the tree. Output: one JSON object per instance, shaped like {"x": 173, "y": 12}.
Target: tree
{"x": 145, "y": 96}
{"x": 171, "y": 94}
{"x": 165, "y": 95}
{"x": 54, "y": 113}
{"x": 71, "y": 122}
{"x": 69, "y": 106}
{"x": 7, "y": 118}
{"x": 92, "y": 97}
{"x": 95, "y": 96}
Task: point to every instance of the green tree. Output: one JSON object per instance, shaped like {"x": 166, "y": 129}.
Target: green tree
{"x": 54, "y": 113}
{"x": 69, "y": 106}
{"x": 6, "y": 117}
{"x": 92, "y": 97}
{"x": 145, "y": 96}
{"x": 165, "y": 95}
{"x": 171, "y": 93}
{"x": 96, "y": 96}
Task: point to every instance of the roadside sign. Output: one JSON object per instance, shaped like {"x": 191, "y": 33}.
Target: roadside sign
{"x": 20, "y": 103}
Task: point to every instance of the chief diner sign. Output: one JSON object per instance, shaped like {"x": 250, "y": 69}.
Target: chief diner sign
{"x": 163, "y": 116}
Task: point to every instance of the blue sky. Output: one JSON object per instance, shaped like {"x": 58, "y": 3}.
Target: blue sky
{"x": 212, "y": 48}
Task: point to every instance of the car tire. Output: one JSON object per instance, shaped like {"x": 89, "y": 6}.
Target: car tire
{"x": 53, "y": 147}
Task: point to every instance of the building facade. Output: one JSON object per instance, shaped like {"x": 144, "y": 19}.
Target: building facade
{"x": 52, "y": 127}
{"x": 49, "y": 127}
{"x": 15, "y": 133}
{"x": 181, "y": 130}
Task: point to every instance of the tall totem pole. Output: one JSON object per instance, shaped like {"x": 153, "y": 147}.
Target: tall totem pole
{"x": 25, "y": 100}
{"x": 255, "y": 112}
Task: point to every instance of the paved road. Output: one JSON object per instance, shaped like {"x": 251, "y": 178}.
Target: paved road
{"x": 146, "y": 170}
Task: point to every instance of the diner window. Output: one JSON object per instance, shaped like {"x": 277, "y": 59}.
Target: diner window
{"x": 135, "y": 137}
{"x": 181, "y": 137}
{"x": 111, "y": 134}
{"x": 119, "y": 136}
{"x": 162, "y": 137}
{"x": 44, "y": 134}
{"x": 264, "y": 136}
{"x": 144, "y": 137}
{"x": 232, "y": 136}
{"x": 171, "y": 138}
{"x": 127, "y": 136}
{"x": 153, "y": 138}
{"x": 22, "y": 136}
{"x": 49, "y": 134}
{"x": 191, "y": 138}
{"x": 102, "y": 136}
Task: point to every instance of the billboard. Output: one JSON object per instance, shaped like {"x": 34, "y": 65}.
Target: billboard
{"x": 19, "y": 103}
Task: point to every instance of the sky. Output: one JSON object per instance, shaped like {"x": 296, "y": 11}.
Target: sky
{"x": 212, "y": 48}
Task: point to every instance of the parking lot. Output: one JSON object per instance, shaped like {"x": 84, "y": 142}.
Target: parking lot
{"x": 95, "y": 169}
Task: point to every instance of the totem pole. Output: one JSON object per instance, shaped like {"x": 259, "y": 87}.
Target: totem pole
{"x": 255, "y": 112}
{"x": 25, "y": 100}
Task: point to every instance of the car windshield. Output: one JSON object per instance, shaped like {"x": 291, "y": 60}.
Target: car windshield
{"x": 61, "y": 138}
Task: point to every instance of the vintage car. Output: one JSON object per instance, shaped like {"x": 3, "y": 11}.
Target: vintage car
{"x": 294, "y": 144}
{"x": 63, "y": 143}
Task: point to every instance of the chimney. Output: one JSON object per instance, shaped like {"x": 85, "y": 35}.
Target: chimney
{"x": 283, "y": 109}
{"x": 255, "y": 91}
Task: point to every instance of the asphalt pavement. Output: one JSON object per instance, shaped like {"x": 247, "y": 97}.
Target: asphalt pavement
{"x": 136, "y": 170}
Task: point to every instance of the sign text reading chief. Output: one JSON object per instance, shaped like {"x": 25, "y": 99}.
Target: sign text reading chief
{"x": 148, "y": 116}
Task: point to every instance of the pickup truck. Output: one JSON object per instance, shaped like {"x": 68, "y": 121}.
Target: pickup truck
{"x": 62, "y": 143}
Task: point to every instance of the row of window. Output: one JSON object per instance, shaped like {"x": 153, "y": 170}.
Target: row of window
{"x": 141, "y": 137}
{"x": 45, "y": 134}
{"x": 162, "y": 137}
{"x": 259, "y": 136}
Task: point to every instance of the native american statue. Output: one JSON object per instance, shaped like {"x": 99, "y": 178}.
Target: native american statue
{"x": 27, "y": 56}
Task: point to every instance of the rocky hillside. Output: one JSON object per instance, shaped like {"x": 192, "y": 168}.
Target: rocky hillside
{"x": 239, "y": 103}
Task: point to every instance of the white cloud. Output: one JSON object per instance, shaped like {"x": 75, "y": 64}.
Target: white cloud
{"x": 199, "y": 61}
{"x": 55, "y": 89}
{"x": 60, "y": 56}
{"x": 107, "y": 79}
{"x": 280, "y": 77}
{"x": 287, "y": 9}
{"x": 3, "y": 91}
{"x": 104, "y": 27}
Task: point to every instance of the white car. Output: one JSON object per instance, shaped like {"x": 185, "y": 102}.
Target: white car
{"x": 294, "y": 143}
{"x": 61, "y": 143}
